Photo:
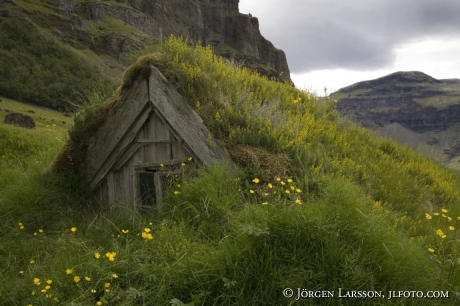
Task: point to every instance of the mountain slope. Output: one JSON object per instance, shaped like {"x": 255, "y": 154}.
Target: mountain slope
{"x": 112, "y": 29}
{"x": 427, "y": 107}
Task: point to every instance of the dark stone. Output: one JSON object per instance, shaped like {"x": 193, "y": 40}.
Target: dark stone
{"x": 20, "y": 120}
{"x": 433, "y": 141}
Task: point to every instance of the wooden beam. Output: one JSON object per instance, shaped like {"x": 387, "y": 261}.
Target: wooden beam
{"x": 149, "y": 141}
{"x": 126, "y": 156}
{"x": 120, "y": 123}
{"x": 159, "y": 163}
{"x": 125, "y": 140}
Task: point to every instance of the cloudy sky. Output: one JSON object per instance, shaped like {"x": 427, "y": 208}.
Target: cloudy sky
{"x": 335, "y": 43}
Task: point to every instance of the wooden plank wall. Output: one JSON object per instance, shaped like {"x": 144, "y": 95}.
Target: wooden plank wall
{"x": 121, "y": 184}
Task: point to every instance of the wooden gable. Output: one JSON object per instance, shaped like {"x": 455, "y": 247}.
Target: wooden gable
{"x": 149, "y": 125}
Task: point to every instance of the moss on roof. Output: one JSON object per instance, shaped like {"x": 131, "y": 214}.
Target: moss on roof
{"x": 92, "y": 115}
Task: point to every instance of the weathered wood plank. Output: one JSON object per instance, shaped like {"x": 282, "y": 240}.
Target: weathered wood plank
{"x": 150, "y": 141}
{"x": 159, "y": 163}
{"x": 128, "y": 154}
{"x": 159, "y": 191}
{"x": 129, "y": 135}
{"x": 184, "y": 122}
{"x": 110, "y": 187}
{"x": 120, "y": 118}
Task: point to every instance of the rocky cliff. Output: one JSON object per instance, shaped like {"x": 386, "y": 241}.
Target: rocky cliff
{"x": 411, "y": 107}
{"x": 112, "y": 29}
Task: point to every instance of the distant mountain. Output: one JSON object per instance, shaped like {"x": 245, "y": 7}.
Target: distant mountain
{"x": 411, "y": 107}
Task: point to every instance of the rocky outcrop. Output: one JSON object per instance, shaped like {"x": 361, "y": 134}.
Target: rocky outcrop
{"x": 20, "y": 120}
{"x": 117, "y": 27}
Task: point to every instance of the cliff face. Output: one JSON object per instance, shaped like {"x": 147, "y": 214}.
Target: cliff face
{"x": 115, "y": 28}
{"x": 411, "y": 107}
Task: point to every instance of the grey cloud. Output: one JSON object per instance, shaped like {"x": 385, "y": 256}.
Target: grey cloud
{"x": 358, "y": 34}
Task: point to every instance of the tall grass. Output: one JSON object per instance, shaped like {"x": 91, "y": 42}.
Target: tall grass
{"x": 317, "y": 203}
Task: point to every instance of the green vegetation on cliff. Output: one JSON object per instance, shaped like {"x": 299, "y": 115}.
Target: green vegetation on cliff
{"x": 317, "y": 203}
{"x": 42, "y": 71}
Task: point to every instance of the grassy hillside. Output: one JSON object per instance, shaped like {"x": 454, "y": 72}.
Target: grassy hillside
{"x": 317, "y": 203}
{"x": 42, "y": 71}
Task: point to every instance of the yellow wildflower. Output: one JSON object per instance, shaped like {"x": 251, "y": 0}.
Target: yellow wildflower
{"x": 436, "y": 214}
{"x": 107, "y": 285}
{"x": 147, "y": 235}
{"x": 428, "y": 216}
{"x": 32, "y": 261}
{"x": 97, "y": 255}
{"x": 93, "y": 291}
{"x": 98, "y": 303}
{"x": 111, "y": 255}
{"x": 176, "y": 192}
{"x": 431, "y": 250}
{"x": 37, "y": 281}
{"x": 451, "y": 228}
{"x": 290, "y": 180}
{"x": 190, "y": 158}
{"x": 73, "y": 229}
{"x": 282, "y": 183}
{"x": 270, "y": 185}
{"x": 124, "y": 231}
{"x": 183, "y": 164}
{"x": 298, "y": 190}
{"x": 115, "y": 275}
{"x": 265, "y": 203}
{"x": 47, "y": 287}
{"x": 444, "y": 210}
{"x": 441, "y": 233}
{"x": 298, "y": 201}
{"x": 49, "y": 282}
{"x": 68, "y": 271}
{"x": 87, "y": 278}
{"x": 256, "y": 180}
{"x": 287, "y": 191}
{"x": 147, "y": 230}
{"x": 251, "y": 191}
{"x": 40, "y": 230}
{"x": 77, "y": 278}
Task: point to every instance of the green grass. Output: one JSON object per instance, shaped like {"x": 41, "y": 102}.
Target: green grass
{"x": 43, "y": 71}
{"x": 317, "y": 203}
